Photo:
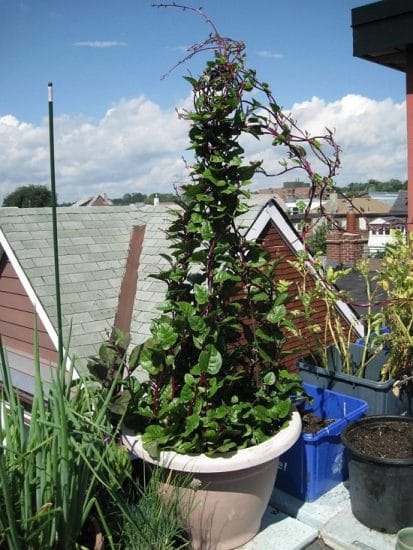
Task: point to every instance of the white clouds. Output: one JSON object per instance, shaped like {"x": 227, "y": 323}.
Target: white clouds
{"x": 137, "y": 146}
{"x": 269, "y": 55}
{"x": 371, "y": 134}
{"x": 100, "y": 44}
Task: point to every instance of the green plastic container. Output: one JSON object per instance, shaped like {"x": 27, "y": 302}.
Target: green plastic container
{"x": 404, "y": 539}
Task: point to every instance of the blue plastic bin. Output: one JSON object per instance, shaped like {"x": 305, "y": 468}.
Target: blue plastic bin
{"x": 316, "y": 463}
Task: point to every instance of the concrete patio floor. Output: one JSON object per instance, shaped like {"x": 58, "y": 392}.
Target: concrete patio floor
{"x": 327, "y": 523}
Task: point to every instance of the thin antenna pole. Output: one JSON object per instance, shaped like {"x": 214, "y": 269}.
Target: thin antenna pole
{"x": 54, "y": 220}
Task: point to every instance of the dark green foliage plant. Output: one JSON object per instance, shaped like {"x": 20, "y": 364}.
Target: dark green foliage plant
{"x": 215, "y": 357}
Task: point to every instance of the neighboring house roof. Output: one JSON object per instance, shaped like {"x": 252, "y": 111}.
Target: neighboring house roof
{"x": 390, "y": 221}
{"x": 289, "y": 193}
{"x": 399, "y": 207}
{"x": 98, "y": 200}
{"x": 94, "y": 246}
{"x": 106, "y": 258}
{"x": 366, "y": 205}
{"x": 354, "y": 284}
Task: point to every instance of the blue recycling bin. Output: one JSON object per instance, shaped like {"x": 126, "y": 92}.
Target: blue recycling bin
{"x": 316, "y": 463}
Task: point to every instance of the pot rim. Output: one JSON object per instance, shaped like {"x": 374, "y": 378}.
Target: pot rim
{"x": 369, "y": 457}
{"x": 241, "y": 459}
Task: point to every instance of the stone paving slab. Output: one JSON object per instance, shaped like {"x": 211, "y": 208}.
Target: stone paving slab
{"x": 279, "y": 531}
{"x": 317, "y": 513}
{"x": 345, "y": 532}
{"x": 331, "y": 516}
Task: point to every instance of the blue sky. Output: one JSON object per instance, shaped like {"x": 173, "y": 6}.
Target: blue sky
{"x": 106, "y": 58}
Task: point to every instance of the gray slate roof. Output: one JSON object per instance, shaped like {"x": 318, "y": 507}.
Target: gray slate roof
{"x": 93, "y": 248}
{"x": 399, "y": 207}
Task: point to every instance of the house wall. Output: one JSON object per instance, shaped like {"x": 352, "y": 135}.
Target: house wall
{"x": 279, "y": 249}
{"x": 17, "y": 317}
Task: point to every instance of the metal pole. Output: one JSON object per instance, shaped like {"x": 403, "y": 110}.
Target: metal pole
{"x": 54, "y": 220}
{"x": 409, "y": 117}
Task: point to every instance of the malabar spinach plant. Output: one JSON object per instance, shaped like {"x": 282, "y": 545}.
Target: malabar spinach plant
{"x": 214, "y": 361}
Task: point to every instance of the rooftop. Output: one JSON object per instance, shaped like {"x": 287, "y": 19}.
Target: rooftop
{"x": 94, "y": 247}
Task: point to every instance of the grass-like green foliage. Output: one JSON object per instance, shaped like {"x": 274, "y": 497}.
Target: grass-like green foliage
{"x": 54, "y": 469}
{"x": 396, "y": 279}
{"x": 165, "y": 513}
{"x": 395, "y": 312}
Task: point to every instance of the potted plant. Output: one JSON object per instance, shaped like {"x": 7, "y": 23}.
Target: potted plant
{"x": 380, "y": 460}
{"x": 378, "y": 367}
{"x": 217, "y": 402}
{"x": 59, "y": 466}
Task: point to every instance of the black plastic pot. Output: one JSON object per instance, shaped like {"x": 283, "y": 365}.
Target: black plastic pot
{"x": 381, "y": 489}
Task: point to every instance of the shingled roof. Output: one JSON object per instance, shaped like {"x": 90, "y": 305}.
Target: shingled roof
{"x": 94, "y": 246}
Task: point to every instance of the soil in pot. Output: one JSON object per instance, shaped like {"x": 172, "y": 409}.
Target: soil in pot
{"x": 387, "y": 439}
{"x": 313, "y": 423}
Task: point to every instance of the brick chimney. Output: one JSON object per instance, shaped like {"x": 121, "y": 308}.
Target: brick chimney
{"x": 346, "y": 247}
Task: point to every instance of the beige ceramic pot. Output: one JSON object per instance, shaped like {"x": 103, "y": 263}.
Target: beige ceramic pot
{"x": 228, "y": 494}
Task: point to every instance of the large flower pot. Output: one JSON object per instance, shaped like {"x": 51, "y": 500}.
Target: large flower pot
{"x": 378, "y": 395}
{"x": 228, "y": 494}
{"x": 380, "y": 488}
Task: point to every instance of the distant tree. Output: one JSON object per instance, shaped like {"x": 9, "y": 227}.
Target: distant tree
{"x": 355, "y": 189}
{"x": 29, "y": 196}
{"x": 129, "y": 198}
{"x": 316, "y": 241}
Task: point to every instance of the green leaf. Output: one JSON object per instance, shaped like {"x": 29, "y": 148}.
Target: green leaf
{"x": 165, "y": 334}
{"x": 134, "y": 357}
{"x": 226, "y": 447}
{"x": 201, "y": 294}
{"x": 153, "y": 436}
{"x": 208, "y": 176}
{"x": 191, "y": 80}
{"x": 120, "y": 402}
{"x": 210, "y": 360}
{"x": 186, "y": 308}
{"x": 260, "y": 297}
{"x": 196, "y": 323}
{"x": 222, "y": 275}
{"x": 269, "y": 379}
{"x": 189, "y": 379}
{"x": 263, "y": 335}
{"x": 187, "y": 394}
{"x": 262, "y": 414}
{"x": 221, "y": 411}
{"x": 277, "y": 314}
{"x": 283, "y": 408}
{"x": 206, "y": 230}
{"x": 191, "y": 423}
{"x": 151, "y": 361}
